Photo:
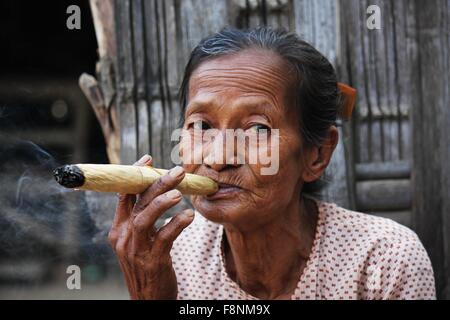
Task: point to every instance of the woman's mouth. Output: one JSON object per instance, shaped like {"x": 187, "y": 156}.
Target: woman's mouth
{"x": 225, "y": 191}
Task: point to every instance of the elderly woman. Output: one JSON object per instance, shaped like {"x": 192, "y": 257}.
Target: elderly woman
{"x": 261, "y": 236}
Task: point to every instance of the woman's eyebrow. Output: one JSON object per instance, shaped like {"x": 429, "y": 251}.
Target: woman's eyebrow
{"x": 257, "y": 106}
{"x": 197, "y": 105}
{"x": 253, "y": 105}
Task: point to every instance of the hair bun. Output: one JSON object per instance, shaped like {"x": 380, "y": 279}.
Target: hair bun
{"x": 348, "y": 96}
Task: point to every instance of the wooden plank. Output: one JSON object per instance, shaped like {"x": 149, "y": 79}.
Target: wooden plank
{"x": 379, "y": 54}
{"x": 399, "y": 94}
{"x": 383, "y": 195}
{"x": 399, "y": 15}
{"x": 162, "y": 75}
{"x": 199, "y": 18}
{"x": 156, "y": 118}
{"x": 102, "y": 11}
{"x": 394, "y": 38}
{"x": 445, "y": 124}
{"x": 143, "y": 117}
{"x": 125, "y": 82}
{"x": 376, "y": 151}
{"x": 352, "y": 26}
{"x": 249, "y": 14}
{"x": 377, "y": 67}
{"x": 406, "y": 139}
{"x": 140, "y": 73}
{"x": 368, "y": 50}
{"x": 383, "y": 170}
{"x": 316, "y": 21}
{"x": 363, "y": 141}
{"x": 173, "y": 70}
{"x": 431, "y": 136}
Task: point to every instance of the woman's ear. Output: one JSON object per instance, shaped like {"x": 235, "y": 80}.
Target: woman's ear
{"x": 319, "y": 157}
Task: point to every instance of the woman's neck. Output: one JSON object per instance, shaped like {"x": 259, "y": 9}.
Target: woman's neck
{"x": 267, "y": 262}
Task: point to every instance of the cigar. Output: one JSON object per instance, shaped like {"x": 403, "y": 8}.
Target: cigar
{"x": 126, "y": 179}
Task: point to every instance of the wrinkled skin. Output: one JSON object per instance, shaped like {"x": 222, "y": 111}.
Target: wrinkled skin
{"x": 144, "y": 252}
{"x": 269, "y": 227}
{"x": 242, "y": 92}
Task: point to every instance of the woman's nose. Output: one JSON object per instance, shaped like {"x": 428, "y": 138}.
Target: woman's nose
{"x": 219, "y": 166}
{"x": 222, "y": 153}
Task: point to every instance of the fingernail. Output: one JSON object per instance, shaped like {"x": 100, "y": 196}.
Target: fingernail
{"x": 176, "y": 172}
{"x": 144, "y": 159}
{"x": 174, "y": 194}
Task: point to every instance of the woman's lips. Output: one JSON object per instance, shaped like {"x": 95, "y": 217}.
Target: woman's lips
{"x": 225, "y": 191}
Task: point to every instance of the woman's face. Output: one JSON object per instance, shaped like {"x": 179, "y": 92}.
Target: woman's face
{"x": 249, "y": 91}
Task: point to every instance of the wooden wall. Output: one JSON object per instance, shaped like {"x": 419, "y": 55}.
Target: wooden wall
{"x": 430, "y": 121}
{"x": 400, "y": 138}
{"x": 378, "y": 63}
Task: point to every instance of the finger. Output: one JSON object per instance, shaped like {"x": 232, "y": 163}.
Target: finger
{"x": 167, "y": 182}
{"x": 143, "y": 223}
{"x": 124, "y": 207}
{"x": 125, "y": 235}
{"x": 146, "y": 160}
{"x": 167, "y": 234}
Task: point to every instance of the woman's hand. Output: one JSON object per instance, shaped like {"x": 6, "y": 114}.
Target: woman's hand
{"x": 144, "y": 252}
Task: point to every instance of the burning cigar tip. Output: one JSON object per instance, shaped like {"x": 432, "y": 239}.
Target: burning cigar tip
{"x": 69, "y": 176}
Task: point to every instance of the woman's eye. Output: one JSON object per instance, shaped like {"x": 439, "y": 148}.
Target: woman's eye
{"x": 200, "y": 125}
{"x": 259, "y": 128}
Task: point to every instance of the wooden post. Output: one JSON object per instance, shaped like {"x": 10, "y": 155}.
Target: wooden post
{"x": 101, "y": 93}
{"x": 431, "y": 136}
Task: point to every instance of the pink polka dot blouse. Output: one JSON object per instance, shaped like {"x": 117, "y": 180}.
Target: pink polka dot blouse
{"x": 354, "y": 256}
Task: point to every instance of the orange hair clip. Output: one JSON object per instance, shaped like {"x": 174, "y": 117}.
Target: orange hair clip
{"x": 349, "y": 100}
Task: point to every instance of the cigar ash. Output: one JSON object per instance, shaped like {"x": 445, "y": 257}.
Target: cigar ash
{"x": 69, "y": 176}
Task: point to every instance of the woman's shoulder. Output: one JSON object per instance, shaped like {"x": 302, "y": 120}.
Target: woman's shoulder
{"x": 358, "y": 226}
{"x": 388, "y": 258}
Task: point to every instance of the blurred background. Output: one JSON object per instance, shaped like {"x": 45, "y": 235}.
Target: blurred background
{"x": 46, "y": 121}
{"x": 107, "y": 92}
